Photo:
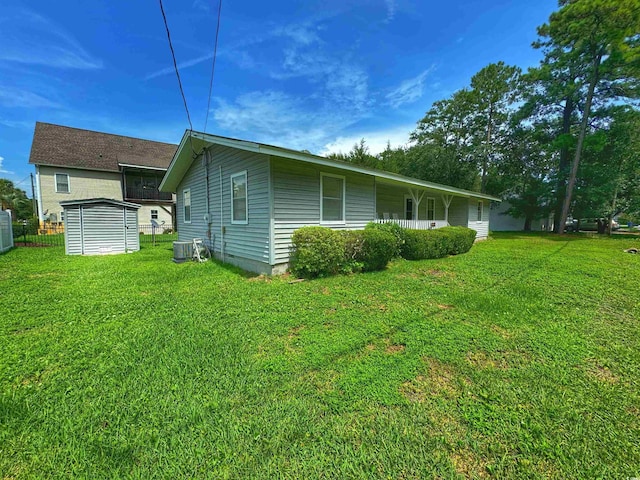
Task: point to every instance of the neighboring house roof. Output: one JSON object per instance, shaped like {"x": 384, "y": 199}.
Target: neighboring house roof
{"x": 60, "y": 146}
{"x": 92, "y": 201}
{"x": 199, "y": 141}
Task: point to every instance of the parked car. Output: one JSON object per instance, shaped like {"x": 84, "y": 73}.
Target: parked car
{"x": 588, "y": 224}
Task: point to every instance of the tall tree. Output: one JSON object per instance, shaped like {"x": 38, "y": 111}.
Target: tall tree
{"x": 602, "y": 37}
{"x": 14, "y": 199}
{"x": 494, "y": 89}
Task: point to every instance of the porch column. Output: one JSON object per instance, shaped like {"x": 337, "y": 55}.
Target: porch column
{"x": 416, "y": 200}
{"x": 446, "y": 199}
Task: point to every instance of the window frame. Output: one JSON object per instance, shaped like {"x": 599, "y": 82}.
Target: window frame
{"x": 184, "y": 205}
{"x": 343, "y": 221}
{"x": 155, "y": 212}
{"x": 480, "y": 211}
{"x": 55, "y": 182}
{"x": 244, "y": 221}
{"x": 431, "y": 199}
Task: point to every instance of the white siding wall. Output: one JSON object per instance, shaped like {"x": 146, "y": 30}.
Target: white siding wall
{"x": 390, "y": 199}
{"x": 296, "y": 200}
{"x": 133, "y": 237}
{"x": 72, "y": 231}
{"x": 459, "y": 212}
{"x": 250, "y": 241}
{"x": 482, "y": 227}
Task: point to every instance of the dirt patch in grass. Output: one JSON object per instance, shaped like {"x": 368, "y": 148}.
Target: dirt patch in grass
{"x": 599, "y": 372}
{"x": 292, "y": 337}
{"x": 394, "y": 349}
{"x": 371, "y": 347}
{"x": 501, "y": 332}
{"x": 260, "y": 278}
{"x": 468, "y": 464}
{"x": 444, "y": 306}
{"x": 483, "y": 361}
{"x": 324, "y": 381}
{"x": 438, "y": 381}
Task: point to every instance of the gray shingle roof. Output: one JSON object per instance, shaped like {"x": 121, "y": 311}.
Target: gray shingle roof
{"x": 62, "y": 146}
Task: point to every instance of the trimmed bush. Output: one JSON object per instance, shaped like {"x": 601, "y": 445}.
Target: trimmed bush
{"x": 378, "y": 248}
{"x": 316, "y": 252}
{"x": 460, "y": 239}
{"x": 353, "y": 245}
{"x": 424, "y": 244}
{"x": 394, "y": 229}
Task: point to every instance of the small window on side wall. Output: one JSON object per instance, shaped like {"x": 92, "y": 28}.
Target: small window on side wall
{"x": 186, "y": 198}
{"x": 239, "y": 203}
{"x": 154, "y": 214}
{"x": 332, "y": 192}
{"x": 62, "y": 183}
{"x": 480, "y": 205}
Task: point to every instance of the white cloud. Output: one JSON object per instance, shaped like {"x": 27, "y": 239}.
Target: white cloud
{"x": 2, "y": 170}
{"x": 15, "y": 97}
{"x": 391, "y": 9}
{"x": 303, "y": 33}
{"x": 278, "y": 118}
{"x": 201, "y": 5}
{"x": 375, "y": 140}
{"x": 30, "y": 38}
{"x": 408, "y": 91}
{"x": 181, "y": 66}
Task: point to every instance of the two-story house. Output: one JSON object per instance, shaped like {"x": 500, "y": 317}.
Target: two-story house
{"x": 73, "y": 164}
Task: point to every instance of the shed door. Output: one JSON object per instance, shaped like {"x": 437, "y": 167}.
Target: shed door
{"x": 103, "y": 229}
{"x": 131, "y": 227}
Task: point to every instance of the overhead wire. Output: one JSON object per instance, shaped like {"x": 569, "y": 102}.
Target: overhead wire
{"x": 213, "y": 66}
{"x": 175, "y": 66}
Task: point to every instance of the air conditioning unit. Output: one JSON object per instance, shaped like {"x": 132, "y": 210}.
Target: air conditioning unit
{"x": 182, "y": 251}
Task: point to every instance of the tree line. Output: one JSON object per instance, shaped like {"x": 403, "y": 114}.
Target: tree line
{"x": 560, "y": 140}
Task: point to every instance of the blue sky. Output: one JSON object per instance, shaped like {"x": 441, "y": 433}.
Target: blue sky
{"x": 315, "y": 75}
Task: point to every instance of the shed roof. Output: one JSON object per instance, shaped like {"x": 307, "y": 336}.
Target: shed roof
{"x": 92, "y": 201}
{"x": 70, "y": 147}
{"x": 199, "y": 141}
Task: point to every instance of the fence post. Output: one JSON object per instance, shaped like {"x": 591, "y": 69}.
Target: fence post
{"x": 24, "y": 231}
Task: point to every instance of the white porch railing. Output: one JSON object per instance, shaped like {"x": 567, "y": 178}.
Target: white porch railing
{"x": 415, "y": 224}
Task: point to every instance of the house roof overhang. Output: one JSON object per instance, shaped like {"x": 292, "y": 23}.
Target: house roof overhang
{"x": 193, "y": 145}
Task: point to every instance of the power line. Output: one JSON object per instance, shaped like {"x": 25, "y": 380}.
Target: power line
{"x": 213, "y": 66}
{"x": 175, "y": 66}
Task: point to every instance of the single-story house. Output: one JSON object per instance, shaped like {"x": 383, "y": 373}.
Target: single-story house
{"x": 246, "y": 199}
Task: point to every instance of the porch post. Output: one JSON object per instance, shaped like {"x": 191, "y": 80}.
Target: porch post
{"x": 416, "y": 199}
{"x": 446, "y": 199}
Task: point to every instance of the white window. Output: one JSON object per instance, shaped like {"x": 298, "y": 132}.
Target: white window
{"x": 239, "y": 203}
{"x": 431, "y": 208}
{"x": 154, "y": 214}
{"x": 62, "y": 216}
{"x": 62, "y": 183}
{"x": 186, "y": 199}
{"x": 480, "y": 205}
{"x": 332, "y": 193}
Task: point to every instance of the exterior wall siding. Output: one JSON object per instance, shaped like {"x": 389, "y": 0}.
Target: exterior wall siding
{"x": 482, "y": 227}
{"x": 250, "y": 241}
{"x": 459, "y": 212}
{"x": 296, "y": 200}
{"x": 72, "y": 231}
{"x": 390, "y": 199}
{"x": 82, "y": 184}
{"x": 144, "y": 214}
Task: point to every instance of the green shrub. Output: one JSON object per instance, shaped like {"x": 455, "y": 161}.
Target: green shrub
{"x": 353, "y": 245}
{"x": 28, "y": 227}
{"x": 424, "y": 244}
{"x": 460, "y": 239}
{"x": 377, "y": 249}
{"x": 394, "y": 229}
{"x": 316, "y": 252}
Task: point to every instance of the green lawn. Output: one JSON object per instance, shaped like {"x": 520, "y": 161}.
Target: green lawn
{"x": 520, "y": 359}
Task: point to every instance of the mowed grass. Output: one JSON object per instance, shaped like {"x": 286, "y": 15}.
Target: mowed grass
{"x": 520, "y": 359}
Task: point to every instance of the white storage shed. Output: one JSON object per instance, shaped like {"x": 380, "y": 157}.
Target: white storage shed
{"x": 100, "y": 226}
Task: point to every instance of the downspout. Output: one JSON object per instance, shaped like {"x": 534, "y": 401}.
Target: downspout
{"x": 39, "y": 194}
{"x": 221, "y": 222}
{"x": 207, "y": 215}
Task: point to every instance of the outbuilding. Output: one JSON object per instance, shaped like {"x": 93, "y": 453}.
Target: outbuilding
{"x": 100, "y": 226}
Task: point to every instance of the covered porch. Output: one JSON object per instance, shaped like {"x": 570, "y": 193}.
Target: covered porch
{"x": 416, "y": 207}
